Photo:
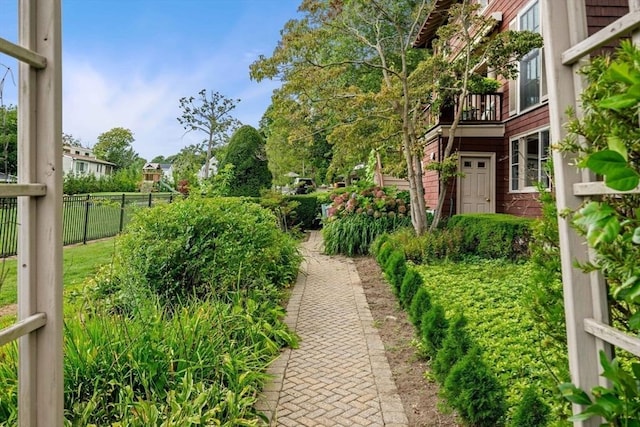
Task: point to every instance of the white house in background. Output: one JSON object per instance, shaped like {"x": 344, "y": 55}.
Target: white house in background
{"x": 213, "y": 168}
{"x": 154, "y": 172}
{"x": 80, "y": 160}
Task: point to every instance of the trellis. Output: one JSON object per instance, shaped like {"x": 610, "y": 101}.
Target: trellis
{"x": 567, "y": 46}
{"x": 39, "y": 192}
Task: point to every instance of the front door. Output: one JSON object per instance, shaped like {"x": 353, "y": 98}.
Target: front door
{"x": 476, "y": 189}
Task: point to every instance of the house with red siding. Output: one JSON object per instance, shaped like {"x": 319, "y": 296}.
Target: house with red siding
{"x": 503, "y": 138}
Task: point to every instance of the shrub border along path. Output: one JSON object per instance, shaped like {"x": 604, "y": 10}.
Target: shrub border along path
{"x": 339, "y": 375}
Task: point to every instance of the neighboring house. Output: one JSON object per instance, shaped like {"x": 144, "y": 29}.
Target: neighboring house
{"x": 154, "y": 172}
{"x": 503, "y": 138}
{"x": 80, "y": 160}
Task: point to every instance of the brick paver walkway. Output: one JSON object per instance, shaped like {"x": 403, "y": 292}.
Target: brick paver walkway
{"x": 339, "y": 376}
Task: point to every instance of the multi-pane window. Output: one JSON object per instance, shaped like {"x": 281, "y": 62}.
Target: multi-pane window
{"x": 81, "y": 167}
{"x": 528, "y": 155}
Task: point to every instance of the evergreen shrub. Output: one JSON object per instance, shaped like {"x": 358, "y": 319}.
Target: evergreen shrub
{"x": 532, "y": 411}
{"x": 455, "y": 346}
{"x": 433, "y": 329}
{"x": 493, "y": 235}
{"x": 420, "y": 304}
{"x": 383, "y": 255}
{"x": 474, "y": 391}
{"x": 395, "y": 269}
{"x": 411, "y": 282}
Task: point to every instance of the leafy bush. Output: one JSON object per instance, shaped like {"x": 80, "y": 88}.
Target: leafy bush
{"x": 376, "y": 245}
{"x": 431, "y": 246}
{"x": 473, "y": 390}
{"x": 307, "y": 213}
{"x": 411, "y": 282}
{"x": 123, "y": 180}
{"x": 355, "y": 219}
{"x": 245, "y": 152}
{"x": 532, "y": 411}
{"x": 353, "y": 234}
{"x": 395, "y": 269}
{"x": 433, "y": 329}
{"x": 201, "y": 247}
{"x": 493, "y": 235}
{"x": 420, "y": 304}
{"x": 455, "y": 346}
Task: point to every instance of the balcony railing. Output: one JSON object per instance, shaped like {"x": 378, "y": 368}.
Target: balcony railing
{"x": 476, "y": 109}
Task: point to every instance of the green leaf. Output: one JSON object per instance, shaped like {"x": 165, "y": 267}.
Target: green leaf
{"x": 634, "y": 323}
{"x": 618, "y": 102}
{"x": 621, "y": 72}
{"x": 623, "y": 179}
{"x": 616, "y": 144}
{"x": 636, "y": 236}
{"x": 634, "y": 91}
{"x": 600, "y": 222}
{"x": 574, "y": 395}
{"x": 603, "y": 162}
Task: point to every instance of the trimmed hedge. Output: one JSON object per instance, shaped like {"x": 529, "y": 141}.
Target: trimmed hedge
{"x": 307, "y": 213}
{"x": 493, "y": 235}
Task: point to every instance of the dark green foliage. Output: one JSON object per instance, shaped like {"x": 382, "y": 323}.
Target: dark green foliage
{"x": 455, "y": 346}
{"x": 385, "y": 251}
{"x": 198, "y": 247}
{"x": 9, "y": 140}
{"x": 532, "y": 411}
{"x": 411, "y": 282}
{"x": 433, "y": 329}
{"x": 473, "y": 390}
{"x": 395, "y": 269}
{"x": 374, "y": 248}
{"x": 493, "y": 235}
{"x": 420, "y": 304}
{"x": 124, "y": 180}
{"x": 246, "y": 153}
{"x": 307, "y": 213}
{"x": 353, "y": 234}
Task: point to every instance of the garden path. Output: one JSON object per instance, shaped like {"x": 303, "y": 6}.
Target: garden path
{"x": 339, "y": 376}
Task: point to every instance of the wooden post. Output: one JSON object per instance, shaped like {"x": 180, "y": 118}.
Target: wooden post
{"x": 40, "y": 371}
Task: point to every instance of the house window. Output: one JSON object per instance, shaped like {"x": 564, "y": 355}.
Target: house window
{"x": 528, "y": 156}
{"x": 81, "y": 167}
{"x": 483, "y": 3}
{"x": 531, "y": 86}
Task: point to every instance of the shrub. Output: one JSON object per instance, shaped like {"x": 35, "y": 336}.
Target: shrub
{"x": 250, "y": 172}
{"x": 395, "y": 269}
{"x": 493, "y": 235}
{"x": 431, "y": 246}
{"x": 433, "y": 329}
{"x": 455, "y": 346}
{"x": 420, "y": 304}
{"x": 353, "y": 234}
{"x": 374, "y": 248}
{"x": 200, "y": 247}
{"x": 532, "y": 411}
{"x": 473, "y": 390}
{"x": 306, "y": 214}
{"x": 383, "y": 255}
{"x": 411, "y": 282}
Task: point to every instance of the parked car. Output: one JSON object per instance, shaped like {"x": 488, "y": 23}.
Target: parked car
{"x": 304, "y": 185}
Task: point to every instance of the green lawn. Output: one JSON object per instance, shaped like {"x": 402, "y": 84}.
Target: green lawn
{"x": 80, "y": 262}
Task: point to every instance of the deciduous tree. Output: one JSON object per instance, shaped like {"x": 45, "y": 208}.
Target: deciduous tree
{"x": 209, "y": 113}
{"x": 116, "y": 146}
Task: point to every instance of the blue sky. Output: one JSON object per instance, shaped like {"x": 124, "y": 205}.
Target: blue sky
{"x": 126, "y": 63}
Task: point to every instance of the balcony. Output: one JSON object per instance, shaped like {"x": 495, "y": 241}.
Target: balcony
{"x": 476, "y": 109}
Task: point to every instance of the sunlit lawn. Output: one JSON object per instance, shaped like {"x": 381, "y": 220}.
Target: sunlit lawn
{"x": 80, "y": 262}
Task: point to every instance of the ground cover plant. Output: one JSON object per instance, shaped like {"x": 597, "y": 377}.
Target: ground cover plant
{"x": 357, "y": 217}
{"x": 490, "y": 294}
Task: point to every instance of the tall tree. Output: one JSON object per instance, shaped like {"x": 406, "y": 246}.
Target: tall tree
{"x": 347, "y": 66}
{"x": 246, "y": 152}
{"x": 209, "y": 113}
{"x": 116, "y": 146}
{"x": 9, "y": 140}
{"x": 187, "y": 163}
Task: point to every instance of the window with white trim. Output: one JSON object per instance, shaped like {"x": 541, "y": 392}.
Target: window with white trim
{"x": 530, "y": 88}
{"x": 81, "y": 167}
{"x": 528, "y": 155}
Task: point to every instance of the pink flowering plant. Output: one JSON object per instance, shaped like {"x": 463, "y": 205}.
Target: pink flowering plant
{"x": 376, "y": 202}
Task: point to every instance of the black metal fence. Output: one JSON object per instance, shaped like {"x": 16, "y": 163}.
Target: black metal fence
{"x": 85, "y": 217}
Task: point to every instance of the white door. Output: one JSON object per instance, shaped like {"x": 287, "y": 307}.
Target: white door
{"x": 476, "y": 187}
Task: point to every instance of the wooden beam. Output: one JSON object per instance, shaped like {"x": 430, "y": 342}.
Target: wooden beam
{"x": 597, "y": 188}
{"x": 27, "y": 56}
{"x": 18, "y": 190}
{"x": 613, "y": 336}
{"x": 22, "y": 327}
{"x": 611, "y": 32}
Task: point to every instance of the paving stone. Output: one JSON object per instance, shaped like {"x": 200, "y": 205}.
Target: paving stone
{"x": 339, "y": 375}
